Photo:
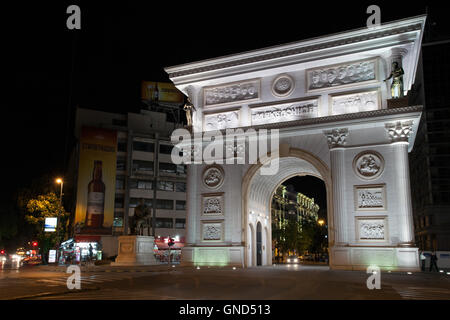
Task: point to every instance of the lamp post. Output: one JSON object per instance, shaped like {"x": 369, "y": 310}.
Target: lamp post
{"x": 61, "y": 182}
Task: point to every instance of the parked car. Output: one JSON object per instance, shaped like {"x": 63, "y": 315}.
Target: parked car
{"x": 292, "y": 260}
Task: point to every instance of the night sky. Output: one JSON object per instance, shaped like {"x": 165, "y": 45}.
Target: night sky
{"x": 51, "y": 69}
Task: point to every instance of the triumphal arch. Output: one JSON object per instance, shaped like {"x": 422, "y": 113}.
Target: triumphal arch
{"x": 336, "y": 119}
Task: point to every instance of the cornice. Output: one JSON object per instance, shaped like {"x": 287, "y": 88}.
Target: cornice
{"x": 282, "y": 51}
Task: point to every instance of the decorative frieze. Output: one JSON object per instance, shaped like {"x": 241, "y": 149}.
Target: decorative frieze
{"x": 355, "y": 102}
{"x": 336, "y": 137}
{"x": 212, "y": 231}
{"x": 220, "y": 121}
{"x": 399, "y": 131}
{"x": 285, "y": 112}
{"x": 370, "y": 197}
{"x": 283, "y": 86}
{"x": 213, "y": 176}
{"x": 341, "y": 75}
{"x": 368, "y": 165}
{"x": 371, "y": 229}
{"x": 212, "y": 204}
{"x": 232, "y": 93}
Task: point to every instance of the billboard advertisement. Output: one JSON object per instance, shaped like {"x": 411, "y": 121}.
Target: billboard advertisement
{"x": 161, "y": 91}
{"x": 50, "y": 224}
{"x": 96, "y": 181}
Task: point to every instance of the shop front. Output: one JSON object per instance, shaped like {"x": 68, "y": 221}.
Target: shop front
{"x": 80, "y": 249}
{"x": 162, "y": 249}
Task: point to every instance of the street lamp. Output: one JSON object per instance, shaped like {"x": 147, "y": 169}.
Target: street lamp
{"x": 61, "y": 182}
{"x": 321, "y": 222}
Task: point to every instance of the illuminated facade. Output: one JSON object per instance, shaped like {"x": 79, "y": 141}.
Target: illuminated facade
{"x": 336, "y": 121}
{"x": 287, "y": 202}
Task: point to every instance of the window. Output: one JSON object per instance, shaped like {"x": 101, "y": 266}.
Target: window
{"x": 119, "y": 122}
{"x": 181, "y": 168}
{"x": 180, "y": 205}
{"x": 180, "y": 223}
{"x": 134, "y": 202}
{"x": 141, "y": 165}
{"x": 118, "y": 219}
{"x": 165, "y": 185}
{"x": 164, "y": 204}
{"x": 145, "y": 184}
{"x": 120, "y": 183}
{"x": 133, "y": 184}
{"x": 121, "y": 164}
{"x": 122, "y": 146}
{"x": 143, "y": 146}
{"x": 180, "y": 187}
{"x": 166, "y": 149}
{"x": 167, "y": 167}
{"x": 164, "y": 223}
{"x": 118, "y": 201}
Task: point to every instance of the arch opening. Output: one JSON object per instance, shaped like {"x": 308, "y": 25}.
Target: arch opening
{"x": 257, "y": 200}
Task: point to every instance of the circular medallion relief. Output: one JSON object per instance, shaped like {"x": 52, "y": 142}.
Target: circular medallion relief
{"x": 368, "y": 165}
{"x": 213, "y": 176}
{"x": 283, "y": 86}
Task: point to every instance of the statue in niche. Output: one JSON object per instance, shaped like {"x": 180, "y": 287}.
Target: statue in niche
{"x": 189, "y": 109}
{"x": 141, "y": 219}
{"x": 397, "y": 80}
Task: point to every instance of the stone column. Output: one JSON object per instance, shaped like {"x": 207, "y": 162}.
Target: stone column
{"x": 399, "y": 133}
{"x": 191, "y": 204}
{"x": 336, "y": 141}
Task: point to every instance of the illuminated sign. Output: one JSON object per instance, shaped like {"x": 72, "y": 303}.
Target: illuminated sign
{"x": 50, "y": 224}
{"x": 52, "y": 256}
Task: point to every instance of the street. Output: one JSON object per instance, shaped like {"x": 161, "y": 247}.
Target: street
{"x": 278, "y": 282}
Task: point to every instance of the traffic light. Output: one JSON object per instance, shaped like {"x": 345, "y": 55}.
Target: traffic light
{"x": 171, "y": 242}
{"x": 35, "y": 244}
{"x": 2, "y": 251}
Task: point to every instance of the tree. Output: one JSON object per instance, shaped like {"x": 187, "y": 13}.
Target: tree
{"x": 46, "y": 206}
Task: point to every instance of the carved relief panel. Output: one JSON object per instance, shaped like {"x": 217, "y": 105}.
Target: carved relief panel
{"x": 232, "y": 93}
{"x": 212, "y": 231}
{"x": 344, "y": 74}
{"x": 212, "y": 204}
{"x": 221, "y": 120}
{"x": 371, "y": 229}
{"x": 370, "y": 197}
{"x": 355, "y": 102}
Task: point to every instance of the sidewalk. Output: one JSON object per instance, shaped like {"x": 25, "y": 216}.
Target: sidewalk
{"x": 110, "y": 268}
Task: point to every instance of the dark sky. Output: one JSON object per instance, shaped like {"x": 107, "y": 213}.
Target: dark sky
{"x": 311, "y": 187}
{"x": 51, "y": 69}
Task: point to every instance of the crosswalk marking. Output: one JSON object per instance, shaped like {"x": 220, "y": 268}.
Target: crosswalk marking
{"x": 92, "y": 279}
{"x": 423, "y": 293}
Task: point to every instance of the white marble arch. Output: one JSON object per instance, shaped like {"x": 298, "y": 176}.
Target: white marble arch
{"x": 258, "y": 191}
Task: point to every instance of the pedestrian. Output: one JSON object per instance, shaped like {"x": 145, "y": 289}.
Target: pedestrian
{"x": 90, "y": 253}
{"x": 433, "y": 262}
{"x": 423, "y": 259}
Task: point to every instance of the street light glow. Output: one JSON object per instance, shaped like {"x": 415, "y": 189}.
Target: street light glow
{"x": 59, "y": 180}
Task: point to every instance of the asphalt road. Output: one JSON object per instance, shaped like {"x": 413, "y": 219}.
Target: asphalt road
{"x": 279, "y": 282}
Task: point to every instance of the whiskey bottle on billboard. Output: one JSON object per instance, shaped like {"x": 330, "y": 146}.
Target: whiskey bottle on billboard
{"x": 96, "y": 198}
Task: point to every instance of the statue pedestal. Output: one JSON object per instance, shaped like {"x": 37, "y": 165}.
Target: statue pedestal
{"x": 397, "y": 103}
{"x": 135, "y": 251}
